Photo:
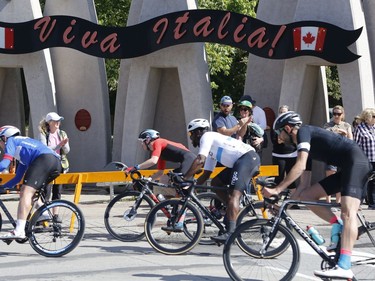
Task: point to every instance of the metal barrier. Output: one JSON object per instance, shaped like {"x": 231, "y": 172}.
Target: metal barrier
{"x": 112, "y": 178}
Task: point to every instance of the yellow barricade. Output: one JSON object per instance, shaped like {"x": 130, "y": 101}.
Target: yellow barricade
{"x": 109, "y": 178}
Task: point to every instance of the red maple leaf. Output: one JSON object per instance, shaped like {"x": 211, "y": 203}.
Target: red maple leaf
{"x": 308, "y": 39}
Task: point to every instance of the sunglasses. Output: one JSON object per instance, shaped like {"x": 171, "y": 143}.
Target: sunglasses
{"x": 244, "y": 109}
{"x": 336, "y": 114}
{"x": 225, "y": 105}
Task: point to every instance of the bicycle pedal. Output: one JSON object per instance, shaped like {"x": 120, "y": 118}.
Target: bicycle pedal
{"x": 7, "y": 241}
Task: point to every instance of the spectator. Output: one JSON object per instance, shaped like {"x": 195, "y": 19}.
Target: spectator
{"x": 338, "y": 126}
{"x": 356, "y": 122}
{"x": 252, "y": 133}
{"x": 56, "y": 139}
{"x": 364, "y": 135}
{"x": 283, "y": 154}
{"x": 259, "y": 116}
{"x": 224, "y": 122}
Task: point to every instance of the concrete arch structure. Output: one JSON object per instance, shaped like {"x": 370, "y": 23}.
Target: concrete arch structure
{"x": 81, "y": 83}
{"x": 301, "y": 82}
{"x": 163, "y": 90}
{"x": 37, "y": 71}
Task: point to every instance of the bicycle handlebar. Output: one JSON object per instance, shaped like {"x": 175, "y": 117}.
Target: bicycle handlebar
{"x": 137, "y": 176}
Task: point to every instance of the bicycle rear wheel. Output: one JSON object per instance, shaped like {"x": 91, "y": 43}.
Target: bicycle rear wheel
{"x": 173, "y": 242}
{"x": 363, "y": 254}
{"x": 123, "y": 220}
{"x": 241, "y": 265}
{"x": 217, "y": 207}
{"x": 52, "y": 237}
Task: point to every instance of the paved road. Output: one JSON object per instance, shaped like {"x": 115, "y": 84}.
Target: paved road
{"x": 99, "y": 257}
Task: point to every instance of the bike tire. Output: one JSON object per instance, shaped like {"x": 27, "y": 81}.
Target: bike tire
{"x": 210, "y": 200}
{"x": 251, "y": 211}
{"x": 55, "y": 239}
{"x": 242, "y": 266}
{"x": 363, "y": 257}
{"x": 173, "y": 243}
{"x": 119, "y": 221}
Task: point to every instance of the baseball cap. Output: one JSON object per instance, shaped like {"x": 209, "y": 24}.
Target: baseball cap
{"x": 246, "y": 103}
{"x": 226, "y": 100}
{"x": 53, "y": 116}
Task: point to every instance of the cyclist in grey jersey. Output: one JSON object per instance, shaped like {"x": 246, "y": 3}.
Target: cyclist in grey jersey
{"x": 333, "y": 149}
{"x": 241, "y": 162}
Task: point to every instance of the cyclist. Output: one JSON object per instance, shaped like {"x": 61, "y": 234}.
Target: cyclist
{"x": 37, "y": 164}
{"x": 241, "y": 162}
{"x": 332, "y": 149}
{"x": 163, "y": 150}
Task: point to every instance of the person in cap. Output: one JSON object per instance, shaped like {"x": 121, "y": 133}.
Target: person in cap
{"x": 335, "y": 149}
{"x": 224, "y": 122}
{"x": 240, "y": 160}
{"x": 56, "y": 139}
{"x": 259, "y": 116}
{"x": 251, "y": 133}
{"x": 37, "y": 165}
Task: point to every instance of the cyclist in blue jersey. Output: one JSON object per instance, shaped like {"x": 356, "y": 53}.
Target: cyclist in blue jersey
{"x": 332, "y": 149}
{"x": 240, "y": 160}
{"x": 37, "y": 164}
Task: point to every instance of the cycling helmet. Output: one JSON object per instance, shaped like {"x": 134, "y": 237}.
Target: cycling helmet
{"x": 9, "y": 131}
{"x": 148, "y": 135}
{"x": 287, "y": 118}
{"x": 198, "y": 124}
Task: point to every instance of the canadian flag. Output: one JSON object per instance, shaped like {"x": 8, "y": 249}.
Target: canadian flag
{"x": 309, "y": 38}
{"x": 6, "y": 38}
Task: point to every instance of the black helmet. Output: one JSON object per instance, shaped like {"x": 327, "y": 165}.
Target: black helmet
{"x": 148, "y": 135}
{"x": 287, "y": 118}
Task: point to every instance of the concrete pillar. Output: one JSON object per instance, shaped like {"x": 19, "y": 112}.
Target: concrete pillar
{"x": 81, "y": 84}
{"x": 163, "y": 90}
{"x": 37, "y": 71}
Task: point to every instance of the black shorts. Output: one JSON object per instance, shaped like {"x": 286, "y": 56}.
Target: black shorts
{"x": 186, "y": 163}
{"x": 42, "y": 171}
{"x": 352, "y": 176}
{"x": 243, "y": 171}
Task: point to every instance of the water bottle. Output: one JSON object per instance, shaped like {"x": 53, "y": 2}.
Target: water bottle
{"x": 161, "y": 197}
{"x": 314, "y": 234}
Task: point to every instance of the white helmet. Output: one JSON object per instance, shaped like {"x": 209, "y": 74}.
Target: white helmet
{"x": 198, "y": 123}
{"x": 9, "y": 131}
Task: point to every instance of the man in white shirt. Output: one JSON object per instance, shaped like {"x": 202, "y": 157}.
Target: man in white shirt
{"x": 240, "y": 160}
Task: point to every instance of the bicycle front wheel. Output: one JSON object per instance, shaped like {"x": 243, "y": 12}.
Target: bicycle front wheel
{"x": 56, "y": 236}
{"x": 125, "y": 220}
{"x": 164, "y": 235}
{"x": 247, "y": 263}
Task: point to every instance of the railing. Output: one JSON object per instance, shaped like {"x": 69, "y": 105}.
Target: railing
{"x": 112, "y": 178}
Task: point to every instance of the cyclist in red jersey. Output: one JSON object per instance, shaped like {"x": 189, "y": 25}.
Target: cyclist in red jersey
{"x": 163, "y": 150}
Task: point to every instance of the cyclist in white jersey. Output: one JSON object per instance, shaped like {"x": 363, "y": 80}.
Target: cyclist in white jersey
{"x": 241, "y": 164}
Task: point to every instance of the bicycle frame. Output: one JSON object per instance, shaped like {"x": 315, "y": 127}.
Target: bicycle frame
{"x": 283, "y": 215}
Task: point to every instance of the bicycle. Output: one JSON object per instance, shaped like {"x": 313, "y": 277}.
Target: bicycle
{"x": 189, "y": 209}
{"x": 125, "y": 214}
{"x": 267, "y": 250}
{"x": 50, "y": 237}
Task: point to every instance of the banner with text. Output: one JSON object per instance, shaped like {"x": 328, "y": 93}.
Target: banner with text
{"x": 312, "y": 38}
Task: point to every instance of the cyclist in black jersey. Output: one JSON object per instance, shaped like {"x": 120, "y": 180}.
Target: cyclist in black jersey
{"x": 332, "y": 149}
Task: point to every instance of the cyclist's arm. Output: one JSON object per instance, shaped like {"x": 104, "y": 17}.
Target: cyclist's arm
{"x": 21, "y": 169}
{"x": 149, "y": 163}
{"x": 296, "y": 171}
{"x": 293, "y": 175}
{"x": 196, "y": 166}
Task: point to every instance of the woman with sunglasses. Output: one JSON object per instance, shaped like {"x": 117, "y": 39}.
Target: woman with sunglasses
{"x": 339, "y": 126}
{"x": 252, "y": 133}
